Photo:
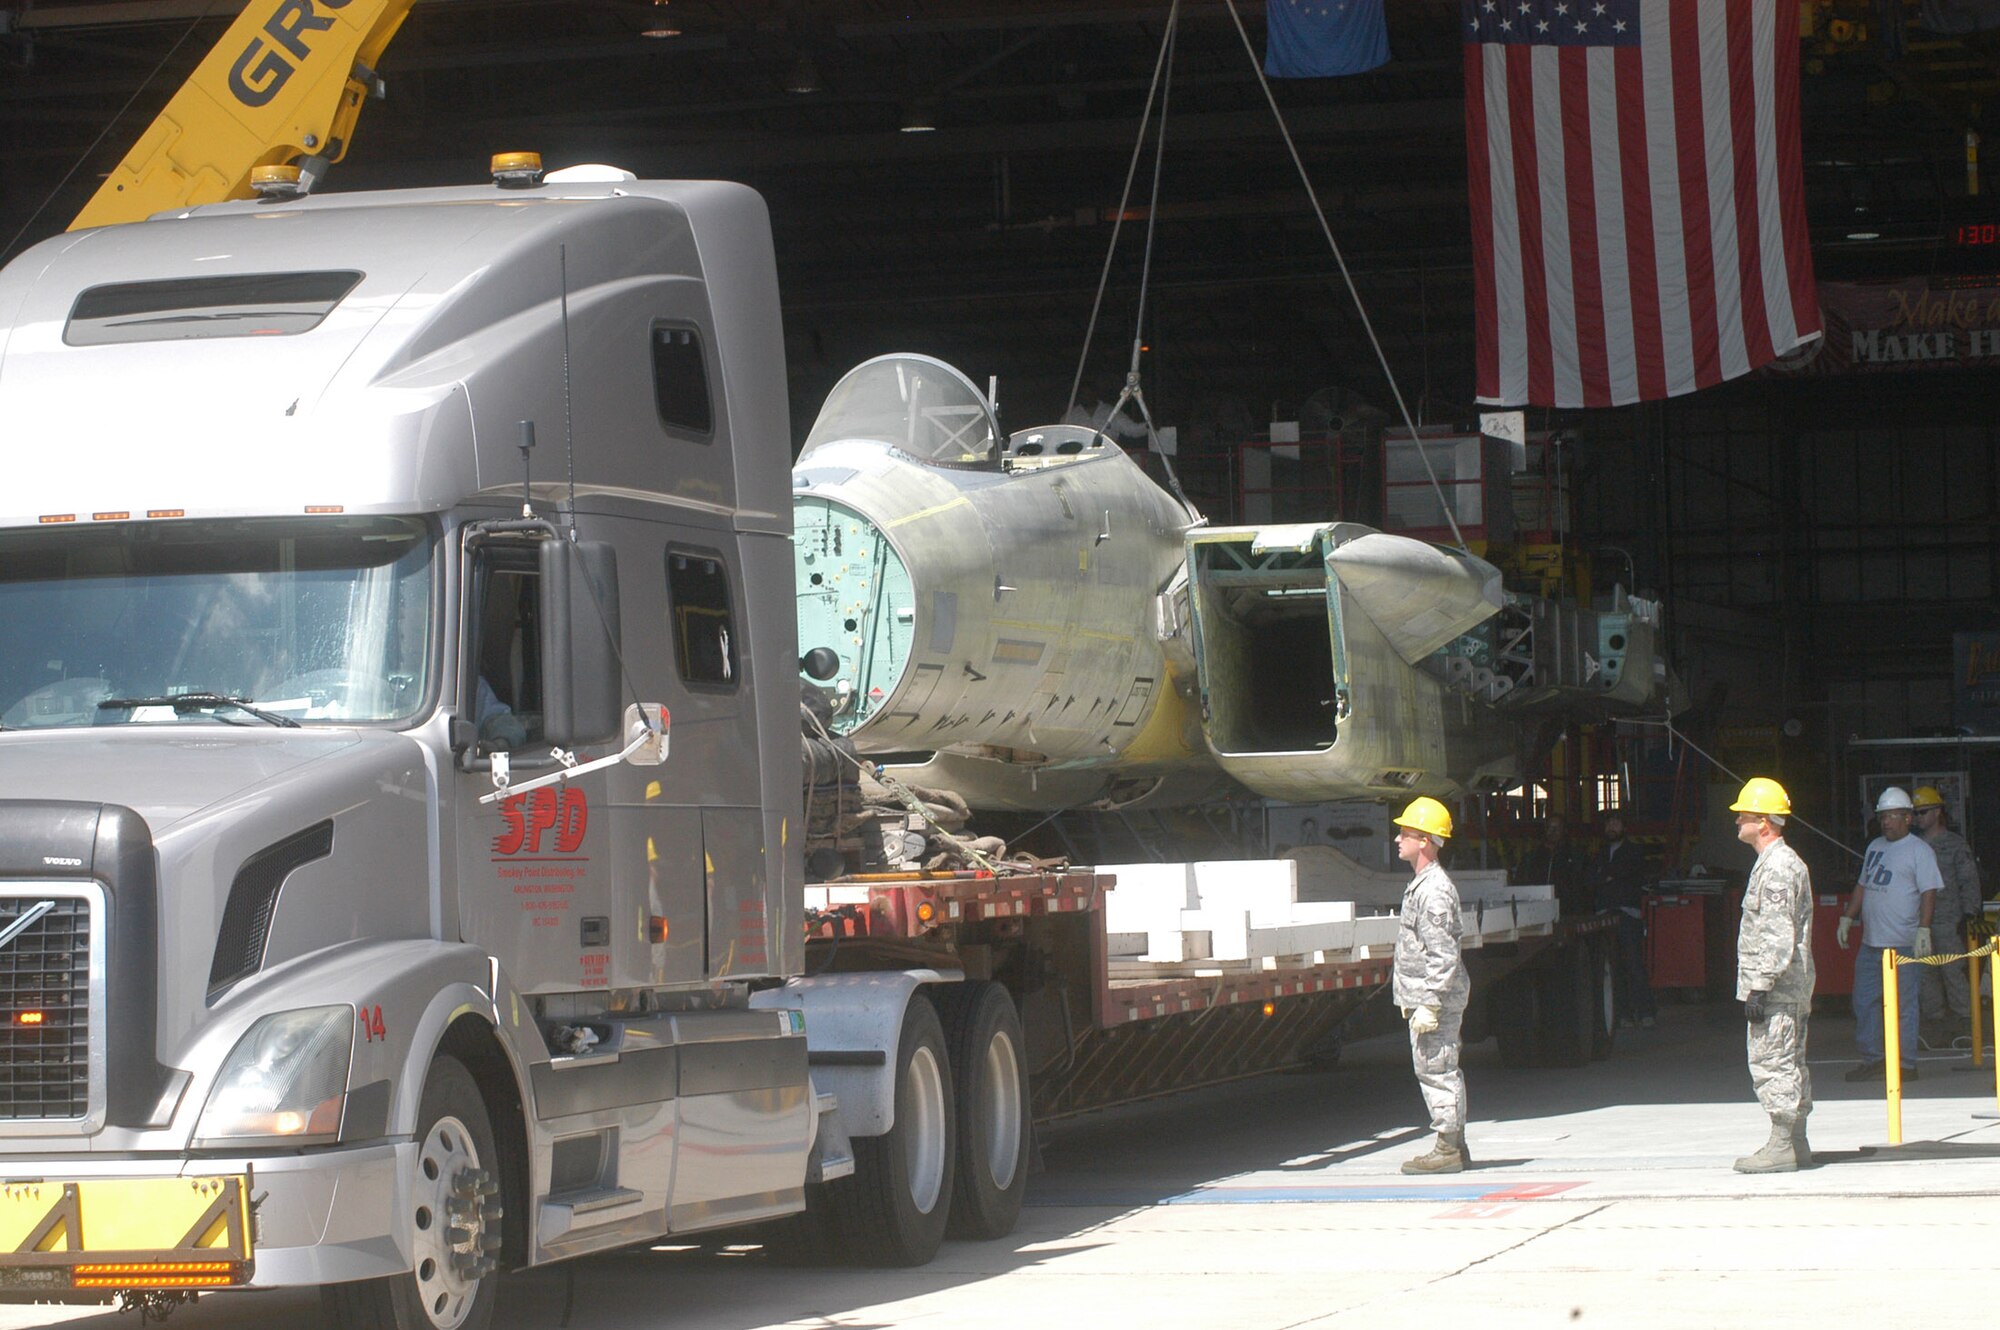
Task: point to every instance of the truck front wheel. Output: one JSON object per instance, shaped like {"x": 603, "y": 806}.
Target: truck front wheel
{"x": 455, "y": 1204}
{"x": 893, "y": 1210}
{"x": 991, "y": 1081}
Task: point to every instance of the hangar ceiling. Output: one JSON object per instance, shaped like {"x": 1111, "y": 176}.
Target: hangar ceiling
{"x": 982, "y": 240}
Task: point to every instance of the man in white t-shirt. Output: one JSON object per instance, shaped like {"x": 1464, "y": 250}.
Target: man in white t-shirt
{"x": 1893, "y": 900}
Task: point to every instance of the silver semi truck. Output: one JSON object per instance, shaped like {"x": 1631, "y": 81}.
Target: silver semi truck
{"x": 399, "y": 763}
{"x": 401, "y": 824}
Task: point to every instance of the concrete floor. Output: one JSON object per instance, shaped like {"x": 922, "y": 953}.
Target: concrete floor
{"x": 1602, "y": 1196}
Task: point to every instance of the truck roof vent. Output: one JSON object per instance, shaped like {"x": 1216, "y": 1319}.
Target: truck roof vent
{"x": 253, "y": 897}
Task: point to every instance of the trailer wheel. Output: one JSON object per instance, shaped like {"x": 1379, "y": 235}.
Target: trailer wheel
{"x": 892, "y": 1211}
{"x": 990, "y": 1078}
{"x": 1570, "y": 1011}
{"x": 1605, "y": 1032}
{"x": 455, "y": 1212}
{"x": 1515, "y": 1012}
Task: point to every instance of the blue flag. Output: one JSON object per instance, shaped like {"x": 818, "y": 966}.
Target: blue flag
{"x": 1311, "y": 39}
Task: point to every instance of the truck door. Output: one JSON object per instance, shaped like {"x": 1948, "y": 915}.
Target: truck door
{"x": 537, "y": 868}
{"x": 721, "y": 753}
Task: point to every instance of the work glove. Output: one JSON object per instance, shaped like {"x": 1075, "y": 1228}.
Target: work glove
{"x": 1423, "y": 1020}
{"x": 1753, "y": 1007}
{"x": 1840, "y": 933}
{"x": 1923, "y": 942}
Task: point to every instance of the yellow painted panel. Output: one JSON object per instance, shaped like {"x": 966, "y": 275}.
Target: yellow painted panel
{"x": 123, "y": 1215}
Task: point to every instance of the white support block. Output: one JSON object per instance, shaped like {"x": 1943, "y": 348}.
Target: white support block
{"x": 1178, "y": 946}
{"x": 1228, "y": 930}
{"x": 1300, "y": 939}
{"x": 1267, "y": 888}
{"x": 1376, "y": 935}
{"x": 1126, "y": 944}
{"x": 1148, "y": 897}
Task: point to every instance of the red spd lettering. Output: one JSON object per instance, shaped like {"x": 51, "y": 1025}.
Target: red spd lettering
{"x": 572, "y": 819}
{"x": 527, "y": 816}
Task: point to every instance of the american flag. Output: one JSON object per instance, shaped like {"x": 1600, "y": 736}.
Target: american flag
{"x": 1638, "y": 212}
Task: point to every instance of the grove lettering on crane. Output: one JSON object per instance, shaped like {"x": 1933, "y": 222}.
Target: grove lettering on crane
{"x": 276, "y": 53}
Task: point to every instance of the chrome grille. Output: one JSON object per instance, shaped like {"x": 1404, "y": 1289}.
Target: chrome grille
{"x": 45, "y": 1004}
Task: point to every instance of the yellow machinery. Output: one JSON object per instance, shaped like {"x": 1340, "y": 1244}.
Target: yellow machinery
{"x": 283, "y": 86}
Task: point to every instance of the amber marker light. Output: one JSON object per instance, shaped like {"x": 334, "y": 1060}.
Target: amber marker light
{"x": 926, "y": 912}
{"x": 50, "y": 518}
{"x": 326, "y": 508}
{"x": 154, "y": 1274}
{"x": 1270, "y": 1008}
{"x": 111, "y": 517}
{"x": 166, "y": 512}
{"x": 32, "y": 1017}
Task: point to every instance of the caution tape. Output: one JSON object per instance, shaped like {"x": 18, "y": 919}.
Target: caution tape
{"x": 1986, "y": 949}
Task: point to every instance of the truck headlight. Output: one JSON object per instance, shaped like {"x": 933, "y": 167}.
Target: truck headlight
{"x": 283, "y": 1083}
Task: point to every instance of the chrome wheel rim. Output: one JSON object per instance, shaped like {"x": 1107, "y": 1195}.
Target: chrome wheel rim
{"x": 1002, "y": 1085}
{"x": 923, "y": 1129}
{"x": 449, "y": 1223}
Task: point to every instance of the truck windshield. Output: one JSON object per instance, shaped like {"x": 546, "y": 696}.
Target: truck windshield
{"x": 326, "y": 619}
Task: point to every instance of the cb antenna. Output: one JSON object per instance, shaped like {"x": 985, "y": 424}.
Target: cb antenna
{"x": 569, "y": 413}
{"x": 527, "y": 447}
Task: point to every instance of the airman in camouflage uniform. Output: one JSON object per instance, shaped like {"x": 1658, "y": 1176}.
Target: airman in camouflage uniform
{"x": 1431, "y": 984}
{"x": 1774, "y": 976}
{"x": 1947, "y": 998}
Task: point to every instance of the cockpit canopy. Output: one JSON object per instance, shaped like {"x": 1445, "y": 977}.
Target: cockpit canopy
{"x": 917, "y": 405}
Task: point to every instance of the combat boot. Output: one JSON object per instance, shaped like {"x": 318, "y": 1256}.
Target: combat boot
{"x": 1447, "y": 1156}
{"x": 1801, "y": 1151}
{"x": 1776, "y": 1154}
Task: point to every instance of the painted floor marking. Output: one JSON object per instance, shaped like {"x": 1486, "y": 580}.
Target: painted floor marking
{"x": 1470, "y": 1193}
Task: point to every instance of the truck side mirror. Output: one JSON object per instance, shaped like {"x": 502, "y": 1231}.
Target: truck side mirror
{"x": 581, "y": 673}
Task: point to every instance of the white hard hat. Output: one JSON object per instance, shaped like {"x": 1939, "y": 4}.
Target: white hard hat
{"x": 1893, "y": 797}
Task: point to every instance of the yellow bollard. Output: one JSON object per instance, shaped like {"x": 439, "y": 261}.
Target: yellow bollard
{"x": 1892, "y": 1044}
{"x": 1978, "y": 1035}
{"x": 1996, "y": 1024}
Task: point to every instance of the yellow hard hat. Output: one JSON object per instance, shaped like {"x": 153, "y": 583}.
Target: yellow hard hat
{"x": 1927, "y": 796}
{"x": 1427, "y": 815}
{"x": 1763, "y": 795}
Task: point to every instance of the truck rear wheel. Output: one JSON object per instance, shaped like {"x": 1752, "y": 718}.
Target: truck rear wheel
{"x": 455, "y": 1204}
{"x": 892, "y": 1212}
{"x": 990, "y": 1079}
{"x": 1605, "y": 1033}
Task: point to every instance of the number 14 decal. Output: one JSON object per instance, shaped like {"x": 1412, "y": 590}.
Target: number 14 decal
{"x": 371, "y": 1023}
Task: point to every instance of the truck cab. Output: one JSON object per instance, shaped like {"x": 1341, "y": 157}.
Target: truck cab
{"x": 398, "y": 750}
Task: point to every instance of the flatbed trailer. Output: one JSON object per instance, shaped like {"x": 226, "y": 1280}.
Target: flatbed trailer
{"x": 1102, "y": 1030}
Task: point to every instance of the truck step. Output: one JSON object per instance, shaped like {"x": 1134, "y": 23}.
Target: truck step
{"x": 832, "y": 1152}
{"x": 565, "y": 1212}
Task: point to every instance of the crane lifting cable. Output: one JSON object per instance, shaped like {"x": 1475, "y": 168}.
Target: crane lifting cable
{"x": 1132, "y": 391}
{"x": 1162, "y": 81}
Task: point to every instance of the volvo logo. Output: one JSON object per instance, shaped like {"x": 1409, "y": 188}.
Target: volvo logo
{"x": 32, "y": 913}
{"x": 61, "y": 861}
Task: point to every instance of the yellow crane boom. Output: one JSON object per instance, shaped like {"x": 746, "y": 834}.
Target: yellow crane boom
{"x": 284, "y": 85}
